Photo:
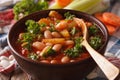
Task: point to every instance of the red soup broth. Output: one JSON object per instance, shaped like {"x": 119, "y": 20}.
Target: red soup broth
{"x": 56, "y": 39}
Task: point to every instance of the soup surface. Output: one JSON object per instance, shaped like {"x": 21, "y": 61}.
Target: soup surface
{"x": 56, "y": 39}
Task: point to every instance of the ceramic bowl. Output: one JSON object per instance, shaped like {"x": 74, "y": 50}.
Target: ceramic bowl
{"x": 42, "y": 71}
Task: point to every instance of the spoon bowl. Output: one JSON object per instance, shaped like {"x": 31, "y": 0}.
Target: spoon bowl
{"x": 107, "y": 67}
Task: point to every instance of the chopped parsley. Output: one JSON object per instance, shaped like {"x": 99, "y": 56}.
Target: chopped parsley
{"x": 32, "y": 26}
{"x": 68, "y": 16}
{"x": 52, "y": 28}
{"x": 95, "y": 42}
{"x": 93, "y": 29}
{"x": 26, "y": 40}
{"x": 27, "y": 7}
{"x": 76, "y": 50}
{"x": 73, "y": 31}
{"x": 33, "y": 56}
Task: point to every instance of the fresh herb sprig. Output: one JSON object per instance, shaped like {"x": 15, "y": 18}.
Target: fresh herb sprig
{"x": 95, "y": 42}
{"x": 69, "y": 16}
{"x": 26, "y": 7}
{"x": 93, "y": 29}
{"x": 32, "y": 26}
{"x": 76, "y": 50}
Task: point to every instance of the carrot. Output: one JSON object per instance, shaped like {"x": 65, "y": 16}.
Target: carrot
{"x": 65, "y": 33}
{"x": 44, "y": 20}
{"x": 63, "y": 3}
{"x": 54, "y": 40}
{"x": 111, "y": 28}
{"x": 99, "y": 16}
{"x": 111, "y": 18}
{"x": 61, "y": 25}
{"x": 55, "y": 14}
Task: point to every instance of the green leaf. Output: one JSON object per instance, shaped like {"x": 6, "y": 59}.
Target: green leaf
{"x": 73, "y": 31}
{"x": 78, "y": 40}
{"x": 93, "y": 29}
{"x": 69, "y": 16}
{"x": 95, "y": 42}
{"x": 52, "y": 27}
{"x": 76, "y": 50}
{"x": 32, "y": 26}
{"x": 27, "y": 37}
{"x": 27, "y": 7}
{"x": 33, "y": 56}
{"x": 42, "y": 5}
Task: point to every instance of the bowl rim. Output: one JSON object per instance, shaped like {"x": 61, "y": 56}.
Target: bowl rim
{"x": 64, "y": 64}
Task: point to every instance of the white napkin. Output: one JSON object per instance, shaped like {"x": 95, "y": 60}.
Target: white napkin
{"x": 4, "y": 3}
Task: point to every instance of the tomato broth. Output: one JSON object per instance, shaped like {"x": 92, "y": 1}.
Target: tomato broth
{"x": 56, "y": 39}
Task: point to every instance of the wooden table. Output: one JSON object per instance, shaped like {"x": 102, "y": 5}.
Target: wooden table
{"x": 18, "y": 74}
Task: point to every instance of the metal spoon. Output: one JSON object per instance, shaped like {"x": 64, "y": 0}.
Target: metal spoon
{"x": 107, "y": 67}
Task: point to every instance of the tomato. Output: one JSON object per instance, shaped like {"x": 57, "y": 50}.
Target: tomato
{"x": 99, "y": 16}
{"x": 111, "y": 18}
{"x": 111, "y": 29}
{"x": 63, "y": 3}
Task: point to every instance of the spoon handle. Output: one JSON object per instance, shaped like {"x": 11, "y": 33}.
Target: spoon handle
{"x": 107, "y": 67}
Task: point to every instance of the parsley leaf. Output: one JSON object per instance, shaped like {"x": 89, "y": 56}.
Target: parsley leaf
{"x": 93, "y": 29}
{"x": 76, "y": 50}
{"x": 33, "y": 56}
{"x": 32, "y": 26}
{"x": 69, "y": 16}
{"x": 73, "y": 31}
{"x": 95, "y": 42}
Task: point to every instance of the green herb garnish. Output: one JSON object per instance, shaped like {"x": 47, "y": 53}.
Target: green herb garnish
{"x": 95, "y": 42}
{"x": 52, "y": 27}
{"x": 69, "y": 16}
{"x": 73, "y": 31}
{"x": 93, "y": 30}
{"x": 76, "y": 50}
{"x": 32, "y": 26}
{"x": 26, "y": 7}
{"x": 33, "y": 56}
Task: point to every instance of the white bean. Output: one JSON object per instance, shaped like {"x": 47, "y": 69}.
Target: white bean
{"x": 44, "y": 61}
{"x": 38, "y": 52}
{"x": 38, "y": 45}
{"x": 69, "y": 42}
{"x": 72, "y": 60}
{"x": 49, "y": 44}
{"x": 4, "y": 63}
{"x": 65, "y": 59}
{"x": 61, "y": 25}
{"x": 57, "y": 47}
{"x": 53, "y": 61}
{"x": 20, "y": 35}
{"x": 47, "y": 34}
{"x": 56, "y": 34}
